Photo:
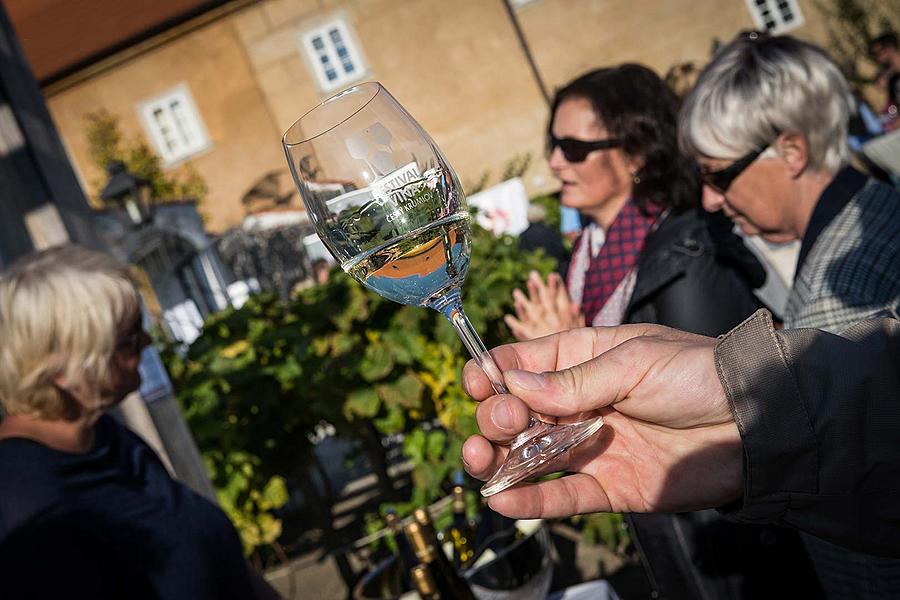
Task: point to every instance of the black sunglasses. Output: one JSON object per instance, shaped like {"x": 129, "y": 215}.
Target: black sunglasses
{"x": 575, "y": 151}
{"x": 722, "y": 179}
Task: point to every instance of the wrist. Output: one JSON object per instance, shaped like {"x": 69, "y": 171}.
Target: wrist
{"x": 779, "y": 450}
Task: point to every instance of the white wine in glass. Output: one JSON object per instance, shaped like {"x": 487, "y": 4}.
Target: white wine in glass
{"x": 389, "y": 208}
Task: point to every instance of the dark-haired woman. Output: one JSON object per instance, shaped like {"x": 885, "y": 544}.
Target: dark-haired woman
{"x": 651, "y": 254}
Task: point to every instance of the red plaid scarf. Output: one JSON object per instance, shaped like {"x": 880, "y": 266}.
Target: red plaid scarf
{"x": 601, "y": 274}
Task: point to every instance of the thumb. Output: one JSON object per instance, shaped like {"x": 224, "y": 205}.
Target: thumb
{"x": 596, "y": 383}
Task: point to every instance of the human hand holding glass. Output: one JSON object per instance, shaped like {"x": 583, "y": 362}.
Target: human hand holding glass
{"x": 672, "y": 445}
{"x": 388, "y": 206}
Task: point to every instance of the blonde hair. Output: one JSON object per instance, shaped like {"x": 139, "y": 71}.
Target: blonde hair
{"x": 60, "y": 312}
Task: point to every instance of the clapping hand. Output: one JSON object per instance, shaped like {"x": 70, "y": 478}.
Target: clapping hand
{"x": 546, "y": 309}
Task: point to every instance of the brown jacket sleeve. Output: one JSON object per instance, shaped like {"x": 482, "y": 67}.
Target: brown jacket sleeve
{"x": 819, "y": 415}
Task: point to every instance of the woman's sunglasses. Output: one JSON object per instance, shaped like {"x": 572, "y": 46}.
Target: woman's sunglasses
{"x": 575, "y": 151}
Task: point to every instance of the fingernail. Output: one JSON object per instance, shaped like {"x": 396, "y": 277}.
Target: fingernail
{"x": 502, "y": 415}
{"x": 534, "y": 275}
{"x": 525, "y": 380}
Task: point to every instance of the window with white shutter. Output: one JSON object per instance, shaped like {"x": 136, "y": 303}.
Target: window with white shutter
{"x": 332, "y": 54}
{"x": 775, "y": 16}
{"x": 174, "y": 125}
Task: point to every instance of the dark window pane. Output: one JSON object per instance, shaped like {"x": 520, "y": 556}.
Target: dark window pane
{"x": 317, "y": 42}
{"x": 331, "y": 74}
{"x": 348, "y": 67}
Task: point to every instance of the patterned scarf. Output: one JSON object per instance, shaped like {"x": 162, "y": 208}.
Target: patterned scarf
{"x": 601, "y": 261}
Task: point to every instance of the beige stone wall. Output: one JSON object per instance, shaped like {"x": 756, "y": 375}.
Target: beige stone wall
{"x": 456, "y": 66}
{"x": 212, "y": 62}
{"x": 570, "y": 37}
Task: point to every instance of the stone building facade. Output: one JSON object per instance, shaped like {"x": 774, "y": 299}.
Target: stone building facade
{"x": 218, "y": 91}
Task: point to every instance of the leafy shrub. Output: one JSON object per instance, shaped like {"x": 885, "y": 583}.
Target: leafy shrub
{"x": 552, "y": 208}
{"x": 107, "y": 144}
{"x": 260, "y": 379}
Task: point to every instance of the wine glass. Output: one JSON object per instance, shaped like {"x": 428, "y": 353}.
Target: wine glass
{"x": 389, "y": 208}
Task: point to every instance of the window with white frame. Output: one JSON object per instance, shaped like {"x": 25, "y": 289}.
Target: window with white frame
{"x": 775, "y": 16}
{"x": 332, "y": 54}
{"x": 174, "y": 124}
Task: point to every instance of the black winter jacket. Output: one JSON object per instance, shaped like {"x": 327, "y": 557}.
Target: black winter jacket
{"x": 694, "y": 274}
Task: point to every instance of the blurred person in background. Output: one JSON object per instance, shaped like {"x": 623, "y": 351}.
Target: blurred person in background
{"x": 780, "y": 170}
{"x": 649, "y": 253}
{"x": 539, "y": 235}
{"x": 569, "y": 223}
{"x": 777, "y": 260}
{"x": 321, "y": 269}
{"x": 681, "y": 78}
{"x": 885, "y": 51}
{"x": 864, "y": 123}
{"x": 652, "y": 255}
{"x": 87, "y": 510}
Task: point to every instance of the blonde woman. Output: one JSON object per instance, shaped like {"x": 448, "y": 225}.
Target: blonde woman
{"x": 86, "y": 507}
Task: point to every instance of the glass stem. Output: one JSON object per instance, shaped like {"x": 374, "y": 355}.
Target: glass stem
{"x": 451, "y": 307}
{"x": 476, "y": 348}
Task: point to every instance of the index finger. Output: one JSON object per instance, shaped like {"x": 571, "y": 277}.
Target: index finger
{"x": 561, "y": 295}
{"x": 543, "y": 291}
{"x": 551, "y": 353}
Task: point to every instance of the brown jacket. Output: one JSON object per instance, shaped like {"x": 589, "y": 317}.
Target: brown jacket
{"x": 819, "y": 415}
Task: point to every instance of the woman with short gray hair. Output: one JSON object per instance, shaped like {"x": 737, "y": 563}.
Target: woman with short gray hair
{"x": 86, "y": 507}
{"x": 767, "y": 122}
{"x": 758, "y": 87}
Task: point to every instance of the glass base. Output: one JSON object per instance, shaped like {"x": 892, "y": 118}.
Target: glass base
{"x": 534, "y": 448}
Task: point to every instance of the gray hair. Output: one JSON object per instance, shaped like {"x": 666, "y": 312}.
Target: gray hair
{"x": 758, "y": 87}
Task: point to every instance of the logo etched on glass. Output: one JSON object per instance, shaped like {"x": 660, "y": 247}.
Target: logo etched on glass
{"x": 394, "y": 190}
{"x": 372, "y": 145}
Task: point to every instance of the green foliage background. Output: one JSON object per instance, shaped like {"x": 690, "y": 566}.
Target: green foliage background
{"x": 257, "y": 382}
